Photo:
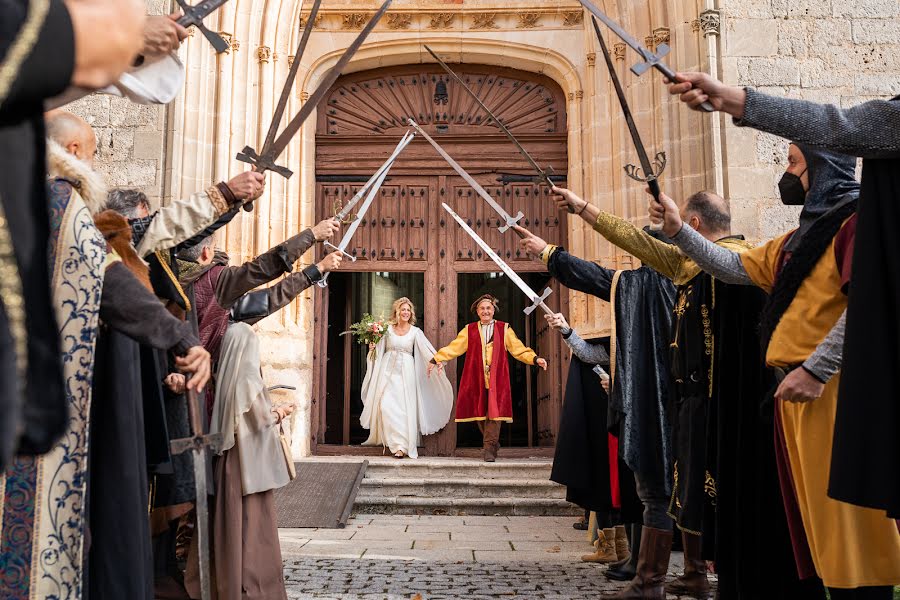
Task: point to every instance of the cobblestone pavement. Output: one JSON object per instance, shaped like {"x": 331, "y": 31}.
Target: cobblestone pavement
{"x": 437, "y": 557}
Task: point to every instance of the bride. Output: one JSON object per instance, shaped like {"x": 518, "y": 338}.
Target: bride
{"x": 400, "y": 401}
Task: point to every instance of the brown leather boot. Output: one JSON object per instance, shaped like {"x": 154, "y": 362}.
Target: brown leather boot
{"x": 653, "y": 562}
{"x": 694, "y": 582}
{"x": 606, "y": 548}
{"x": 622, "y": 550}
{"x": 491, "y": 433}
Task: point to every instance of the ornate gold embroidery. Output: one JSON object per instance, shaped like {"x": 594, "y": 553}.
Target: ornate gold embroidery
{"x": 13, "y": 300}
{"x": 707, "y": 329}
{"x": 681, "y": 306}
{"x": 162, "y": 258}
{"x": 709, "y": 486}
{"x": 218, "y": 200}
{"x": 24, "y": 42}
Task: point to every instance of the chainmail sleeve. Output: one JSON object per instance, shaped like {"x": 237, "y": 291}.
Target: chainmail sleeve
{"x": 722, "y": 263}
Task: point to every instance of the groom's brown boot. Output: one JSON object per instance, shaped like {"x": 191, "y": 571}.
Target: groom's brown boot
{"x": 491, "y": 440}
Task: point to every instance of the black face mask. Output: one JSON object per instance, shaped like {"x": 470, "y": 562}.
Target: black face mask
{"x": 791, "y": 188}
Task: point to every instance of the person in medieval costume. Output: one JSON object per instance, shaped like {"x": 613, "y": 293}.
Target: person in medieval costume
{"x": 45, "y": 46}
{"x": 46, "y": 500}
{"x": 807, "y": 273}
{"x": 641, "y": 302}
{"x": 162, "y": 234}
{"x": 590, "y": 469}
{"x": 700, "y": 307}
{"x": 401, "y": 402}
{"x": 218, "y": 289}
{"x": 250, "y": 465}
{"x": 866, "y": 453}
{"x": 484, "y": 390}
{"x": 156, "y": 413}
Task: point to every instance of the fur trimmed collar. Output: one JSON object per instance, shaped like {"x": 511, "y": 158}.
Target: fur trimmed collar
{"x": 90, "y": 185}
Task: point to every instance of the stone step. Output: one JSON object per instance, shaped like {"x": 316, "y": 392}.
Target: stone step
{"x": 460, "y": 487}
{"x": 469, "y": 469}
{"x": 404, "y": 505}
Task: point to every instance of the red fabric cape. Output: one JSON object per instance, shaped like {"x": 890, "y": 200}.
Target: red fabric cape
{"x": 475, "y": 403}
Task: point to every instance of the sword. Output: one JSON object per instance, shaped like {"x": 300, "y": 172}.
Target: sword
{"x": 648, "y": 173}
{"x": 198, "y": 444}
{"x": 507, "y": 220}
{"x": 651, "y": 60}
{"x": 265, "y": 159}
{"x": 283, "y": 99}
{"x": 194, "y": 15}
{"x": 543, "y": 174}
{"x": 536, "y": 300}
{"x": 345, "y": 241}
{"x": 344, "y": 213}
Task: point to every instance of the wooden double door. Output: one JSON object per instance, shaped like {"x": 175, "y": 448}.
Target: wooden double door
{"x": 407, "y": 244}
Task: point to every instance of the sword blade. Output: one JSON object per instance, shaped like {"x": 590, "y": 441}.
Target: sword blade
{"x": 404, "y": 142}
{"x": 507, "y": 270}
{"x": 621, "y": 33}
{"x": 291, "y": 76}
{"x": 373, "y": 191}
{"x": 202, "y": 507}
{"x": 650, "y": 59}
{"x": 508, "y": 220}
{"x": 348, "y": 235}
{"x": 493, "y": 117}
{"x": 644, "y": 159}
{"x": 294, "y": 125}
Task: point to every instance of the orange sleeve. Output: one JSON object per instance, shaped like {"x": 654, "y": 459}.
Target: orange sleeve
{"x": 761, "y": 263}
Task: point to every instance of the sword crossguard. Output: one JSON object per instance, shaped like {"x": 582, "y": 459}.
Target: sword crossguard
{"x": 196, "y": 442}
{"x": 638, "y": 174}
{"x": 346, "y": 254}
{"x": 194, "y": 17}
{"x": 510, "y": 221}
{"x": 262, "y": 163}
{"x": 651, "y": 60}
{"x": 537, "y": 301}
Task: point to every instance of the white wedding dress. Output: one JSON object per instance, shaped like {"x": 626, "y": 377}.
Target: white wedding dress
{"x": 400, "y": 402}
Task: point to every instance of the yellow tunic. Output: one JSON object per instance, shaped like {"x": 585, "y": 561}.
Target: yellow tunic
{"x": 664, "y": 258}
{"x": 851, "y": 546}
{"x": 514, "y": 346}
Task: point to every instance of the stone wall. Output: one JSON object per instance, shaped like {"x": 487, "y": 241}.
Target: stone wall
{"x": 131, "y": 138}
{"x": 837, "y": 51}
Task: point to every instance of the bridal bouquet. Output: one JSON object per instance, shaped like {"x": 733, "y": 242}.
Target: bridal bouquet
{"x": 368, "y": 330}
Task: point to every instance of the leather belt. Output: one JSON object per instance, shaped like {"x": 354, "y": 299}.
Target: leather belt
{"x": 782, "y": 372}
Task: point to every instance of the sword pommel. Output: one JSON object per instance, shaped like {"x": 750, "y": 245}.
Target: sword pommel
{"x": 536, "y": 302}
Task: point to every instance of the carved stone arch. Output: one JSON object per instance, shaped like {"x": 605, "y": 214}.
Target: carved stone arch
{"x": 406, "y": 235}
{"x": 379, "y": 102}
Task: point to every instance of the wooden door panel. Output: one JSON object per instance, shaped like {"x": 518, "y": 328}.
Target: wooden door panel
{"x": 415, "y": 222}
{"x": 467, "y": 205}
{"x": 386, "y": 214}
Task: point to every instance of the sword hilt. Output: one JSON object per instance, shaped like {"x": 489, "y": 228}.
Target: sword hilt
{"x": 261, "y": 163}
{"x": 671, "y": 76}
{"x": 344, "y": 252}
{"x": 536, "y": 302}
{"x": 510, "y": 221}
{"x": 601, "y": 372}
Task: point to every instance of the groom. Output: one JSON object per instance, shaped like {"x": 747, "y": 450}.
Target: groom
{"x": 484, "y": 390}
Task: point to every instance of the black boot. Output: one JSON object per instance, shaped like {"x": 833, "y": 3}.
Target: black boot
{"x": 625, "y": 570}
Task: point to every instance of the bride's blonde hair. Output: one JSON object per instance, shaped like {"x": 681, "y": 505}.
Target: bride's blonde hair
{"x": 395, "y": 310}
